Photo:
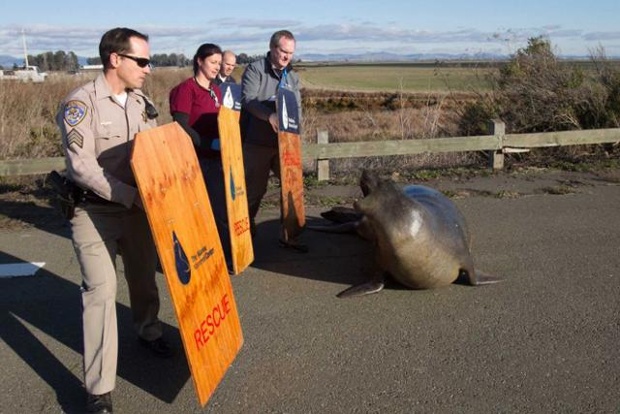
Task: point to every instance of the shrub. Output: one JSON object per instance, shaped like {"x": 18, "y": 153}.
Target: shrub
{"x": 536, "y": 92}
{"x": 475, "y": 118}
{"x": 601, "y": 109}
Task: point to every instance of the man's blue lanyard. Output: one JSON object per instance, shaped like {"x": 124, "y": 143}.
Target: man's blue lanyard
{"x": 283, "y": 82}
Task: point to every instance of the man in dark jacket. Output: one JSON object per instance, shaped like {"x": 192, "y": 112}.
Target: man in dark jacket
{"x": 259, "y": 119}
{"x": 229, "y": 62}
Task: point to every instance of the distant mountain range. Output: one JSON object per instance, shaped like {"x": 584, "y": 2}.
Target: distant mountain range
{"x": 7, "y": 61}
{"x": 394, "y": 57}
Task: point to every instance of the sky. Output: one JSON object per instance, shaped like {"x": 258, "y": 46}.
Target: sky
{"x": 320, "y": 26}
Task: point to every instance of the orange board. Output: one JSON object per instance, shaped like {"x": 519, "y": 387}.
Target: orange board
{"x": 291, "y": 171}
{"x": 234, "y": 179}
{"x": 173, "y": 192}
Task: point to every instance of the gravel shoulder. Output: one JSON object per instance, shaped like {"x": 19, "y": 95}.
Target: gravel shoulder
{"x": 28, "y": 202}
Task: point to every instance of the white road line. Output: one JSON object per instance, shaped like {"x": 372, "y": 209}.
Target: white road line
{"x": 20, "y": 269}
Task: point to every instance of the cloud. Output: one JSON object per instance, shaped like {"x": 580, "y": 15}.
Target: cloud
{"x": 602, "y": 36}
{"x": 251, "y": 36}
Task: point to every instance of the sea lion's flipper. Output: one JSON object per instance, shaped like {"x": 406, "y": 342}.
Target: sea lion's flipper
{"x": 479, "y": 278}
{"x": 341, "y": 214}
{"x": 367, "y": 288}
{"x": 347, "y": 220}
{"x": 375, "y": 285}
{"x": 349, "y": 227}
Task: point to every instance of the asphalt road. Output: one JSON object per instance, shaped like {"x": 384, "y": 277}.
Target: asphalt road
{"x": 545, "y": 340}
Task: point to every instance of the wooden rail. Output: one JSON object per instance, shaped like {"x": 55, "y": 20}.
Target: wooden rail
{"x": 31, "y": 166}
{"x": 496, "y": 144}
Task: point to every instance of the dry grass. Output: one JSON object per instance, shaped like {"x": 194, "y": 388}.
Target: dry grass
{"x": 27, "y": 111}
{"x": 373, "y": 125}
{"x": 28, "y": 128}
{"x": 435, "y": 117}
{"x": 158, "y": 87}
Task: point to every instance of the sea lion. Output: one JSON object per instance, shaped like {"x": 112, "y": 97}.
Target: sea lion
{"x": 420, "y": 236}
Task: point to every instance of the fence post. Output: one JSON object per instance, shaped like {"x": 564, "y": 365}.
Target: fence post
{"x": 496, "y": 158}
{"x": 322, "y": 165}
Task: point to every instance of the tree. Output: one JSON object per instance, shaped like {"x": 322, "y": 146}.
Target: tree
{"x": 71, "y": 62}
{"x": 63, "y": 61}
{"x": 244, "y": 59}
{"x": 58, "y": 61}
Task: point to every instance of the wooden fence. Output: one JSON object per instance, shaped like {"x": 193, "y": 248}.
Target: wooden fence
{"x": 497, "y": 144}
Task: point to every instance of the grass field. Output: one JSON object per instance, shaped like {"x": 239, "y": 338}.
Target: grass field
{"x": 396, "y": 77}
{"x": 385, "y": 77}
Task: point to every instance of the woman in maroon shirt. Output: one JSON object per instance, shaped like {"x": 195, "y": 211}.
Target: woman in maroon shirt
{"x": 195, "y": 104}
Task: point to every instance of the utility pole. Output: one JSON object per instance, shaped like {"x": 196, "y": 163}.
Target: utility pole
{"x": 25, "y": 50}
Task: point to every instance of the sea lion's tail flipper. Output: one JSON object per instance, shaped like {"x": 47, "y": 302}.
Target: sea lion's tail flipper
{"x": 482, "y": 278}
{"x": 367, "y": 288}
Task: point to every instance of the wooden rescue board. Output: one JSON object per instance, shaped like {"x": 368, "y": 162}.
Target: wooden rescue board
{"x": 181, "y": 220}
{"x": 291, "y": 171}
{"x": 234, "y": 178}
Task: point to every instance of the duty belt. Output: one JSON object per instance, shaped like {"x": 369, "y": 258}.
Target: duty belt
{"x": 69, "y": 195}
{"x": 88, "y": 196}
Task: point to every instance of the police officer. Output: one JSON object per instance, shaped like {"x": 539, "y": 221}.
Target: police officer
{"x": 98, "y": 122}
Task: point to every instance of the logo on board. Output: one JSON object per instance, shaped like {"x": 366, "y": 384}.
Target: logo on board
{"x": 288, "y": 111}
{"x": 180, "y": 261}
{"x": 233, "y": 190}
{"x": 232, "y": 95}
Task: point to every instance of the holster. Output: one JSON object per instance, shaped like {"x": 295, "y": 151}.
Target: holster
{"x": 66, "y": 193}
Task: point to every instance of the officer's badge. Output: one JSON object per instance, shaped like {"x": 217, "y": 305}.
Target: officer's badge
{"x": 74, "y": 137}
{"x": 75, "y": 111}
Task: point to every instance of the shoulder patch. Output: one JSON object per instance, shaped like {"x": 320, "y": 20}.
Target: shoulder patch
{"x": 75, "y": 111}
{"x": 74, "y": 137}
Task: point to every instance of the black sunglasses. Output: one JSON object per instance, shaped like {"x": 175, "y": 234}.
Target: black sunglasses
{"x": 142, "y": 62}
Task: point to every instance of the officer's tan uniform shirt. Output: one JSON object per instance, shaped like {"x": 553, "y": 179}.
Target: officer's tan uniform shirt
{"x": 97, "y": 139}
